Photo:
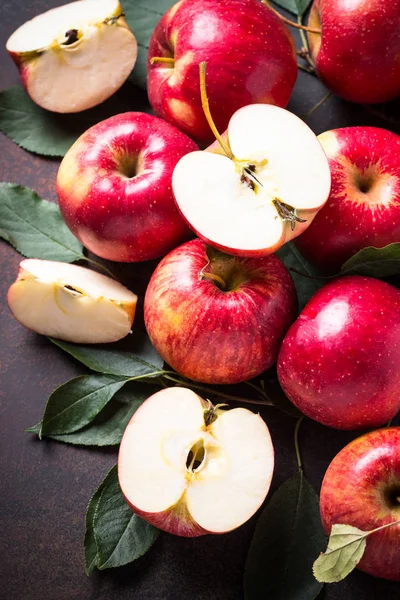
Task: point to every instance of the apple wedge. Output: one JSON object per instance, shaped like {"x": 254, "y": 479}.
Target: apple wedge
{"x": 190, "y": 468}
{"x": 71, "y": 303}
{"x": 260, "y": 186}
{"x": 75, "y": 56}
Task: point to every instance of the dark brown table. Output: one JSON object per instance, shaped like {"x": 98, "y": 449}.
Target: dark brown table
{"x": 45, "y": 486}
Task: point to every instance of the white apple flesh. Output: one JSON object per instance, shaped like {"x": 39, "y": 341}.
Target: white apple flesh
{"x": 71, "y": 303}
{"x": 75, "y": 56}
{"x": 189, "y": 476}
{"x": 266, "y": 194}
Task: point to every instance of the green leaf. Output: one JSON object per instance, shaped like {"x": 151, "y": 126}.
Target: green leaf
{"x": 374, "y": 262}
{"x": 90, "y": 547}
{"x": 307, "y": 284}
{"x": 143, "y": 362}
{"x": 297, "y": 7}
{"x": 44, "y": 132}
{"x": 287, "y": 538}
{"x": 142, "y": 17}
{"x": 120, "y": 535}
{"x": 108, "y": 426}
{"x": 346, "y": 547}
{"x": 76, "y": 403}
{"x": 34, "y": 226}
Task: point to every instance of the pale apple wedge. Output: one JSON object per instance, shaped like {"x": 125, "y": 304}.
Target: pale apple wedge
{"x": 265, "y": 193}
{"x": 71, "y": 303}
{"x": 191, "y": 472}
{"x": 75, "y": 56}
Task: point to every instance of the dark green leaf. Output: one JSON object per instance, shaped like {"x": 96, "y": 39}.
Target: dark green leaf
{"x": 44, "y": 132}
{"x": 287, "y": 538}
{"x": 374, "y": 262}
{"x": 142, "y": 362}
{"x": 91, "y": 555}
{"x": 297, "y": 7}
{"x": 142, "y": 17}
{"x": 121, "y": 536}
{"x": 307, "y": 284}
{"x": 346, "y": 547}
{"x": 108, "y": 426}
{"x": 76, "y": 403}
{"x": 34, "y": 226}
{"x": 277, "y": 396}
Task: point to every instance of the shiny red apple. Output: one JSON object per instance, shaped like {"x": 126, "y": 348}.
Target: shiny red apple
{"x": 357, "y": 52}
{"x": 217, "y": 318}
{"x": 362, "y": 488}
{"x": 340, "y": 361}
{"x": 114, "y": 187}
{"x": 250, "y": 58}
{"x": 363, "y": 207}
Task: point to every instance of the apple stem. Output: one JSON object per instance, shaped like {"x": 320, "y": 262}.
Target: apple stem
{"x": 302, "y": 34}
{"x": 168, "y": 60}
{"x": 206, "y": 109}
{"x": 292, "y": 23}
{"x": 212, "y": 277}
{"x": 305, "y": 54}
{"x": 296, "y": 442}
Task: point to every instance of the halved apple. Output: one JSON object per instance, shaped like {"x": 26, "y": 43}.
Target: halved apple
{"x": 190, "y": 468}
{"x": 75, "y": 56}
{"x": 262, "y": 189}
{"x": 70, "y": 302}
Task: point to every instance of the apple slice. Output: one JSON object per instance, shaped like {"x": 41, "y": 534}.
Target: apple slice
{"x": 263, "y": 190}
{"x": 71, "y": 303}
{"x": 74, "y": 56}
{"x": 190, "y": 468}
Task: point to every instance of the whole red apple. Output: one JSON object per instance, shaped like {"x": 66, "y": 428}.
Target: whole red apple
{"x": 114, "y": 187}
{"x": 216, "y": 318}
{"x": 357, "y": 52}
{"x": 363, "y": 207}
{"x": 250, "y": 58}
{"x": 340, "y": 361}
{"x": 362, "y": 488}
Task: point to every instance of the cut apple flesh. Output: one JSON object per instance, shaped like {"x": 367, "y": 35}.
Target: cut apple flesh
{"x": 268, "y": 194}
{"x": 71, "y": 303}
{"x": 74, "y": 56}
{"x": 190, "y": 478}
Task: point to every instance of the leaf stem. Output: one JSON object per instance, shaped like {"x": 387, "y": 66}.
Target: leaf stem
{"x": 100, "y": 266}
{"x": 382, "y": 527}
{"x": 314, "y": 108}
{"x": 296, "y": 442}
{"x": 292, "y": 23}
{"x": 302, "y": 34}
{"x": 214, "y": 392}
{"x": 306, "y": 69}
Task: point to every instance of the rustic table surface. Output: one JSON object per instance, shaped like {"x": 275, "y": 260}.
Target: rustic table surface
{"x": 45, "y": 486}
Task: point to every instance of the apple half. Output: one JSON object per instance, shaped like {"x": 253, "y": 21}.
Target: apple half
{"x": 262, "y": 190}
{"x": 70, "y": 302}
{"x": 190, "y": 468}
{"x": 75, "y": 56}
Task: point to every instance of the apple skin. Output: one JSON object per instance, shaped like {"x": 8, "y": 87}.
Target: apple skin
{"x": 114, "y": 187}
{"x": 360, "y": 158}
{"x": 360, "y": 489}
{"x": 250, "y": 55}
{"x": 213, "y": 336}
{"x": 340, "y": 361}
{"x": 357, "y": 54}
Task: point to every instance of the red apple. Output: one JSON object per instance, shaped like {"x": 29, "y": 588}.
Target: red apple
{"x": 340, "y": 361}
{"x": 363, "y": 208}
{"x": 362, "y": 488}
{"x": 357, "y": 52}
{"x": 250, "y": 58}
{"x": 179, "y": 469}
{"x": 217, "y": 318}
{"x": 114, "y": 187}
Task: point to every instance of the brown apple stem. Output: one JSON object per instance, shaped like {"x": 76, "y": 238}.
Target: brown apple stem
{"x": 292, "y": 23}
{"x": 213, "y": 277}
{"x": 168, "y": 60}
{"x": 307, "y": 69}
{"x": 208, "y": 390}
{"x": 207, "y": 112}
{"x": 304, "y": 53}
{"x": 296, "y": 442}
